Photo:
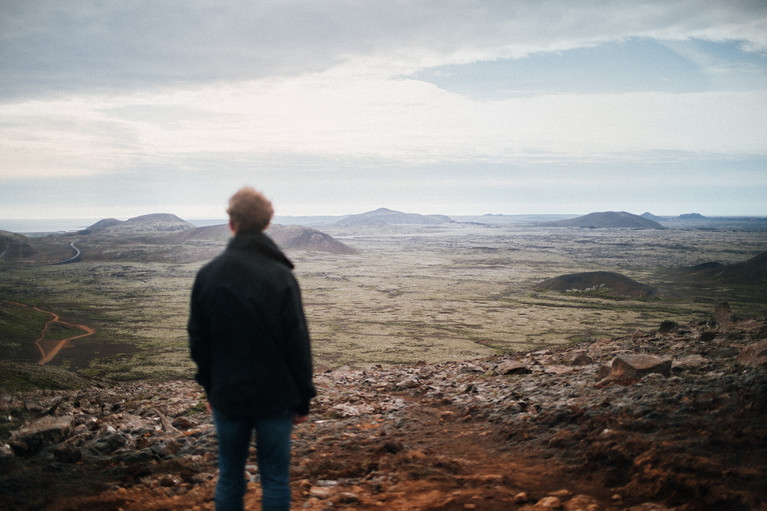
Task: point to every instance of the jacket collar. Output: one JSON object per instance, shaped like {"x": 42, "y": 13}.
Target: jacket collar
{"x": 260, "y": 243}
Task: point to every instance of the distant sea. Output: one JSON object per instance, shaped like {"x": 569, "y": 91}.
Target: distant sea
{"x": 30, "y": 225}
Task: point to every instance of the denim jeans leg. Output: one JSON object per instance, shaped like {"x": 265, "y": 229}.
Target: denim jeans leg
{"x": 233, "y": 446}
{"x": 273, "y": 451}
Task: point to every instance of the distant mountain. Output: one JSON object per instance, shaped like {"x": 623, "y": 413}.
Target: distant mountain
{"x": 296, "y": 237}
{"x": 650, "y": 216}
{"x": 388, "y": 216}
{"x": 153, "y": 223}
{"x": 692, "y": 216}
{"x": 103, "y": 224}
{"x": 289, "y": 237}
{"x": 608, "y": 220}
{"x": 14, "y": 245}
{"x": 598, "y": 282}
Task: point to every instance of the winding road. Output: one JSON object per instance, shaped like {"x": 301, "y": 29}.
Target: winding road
{"x": 76, "y": 255}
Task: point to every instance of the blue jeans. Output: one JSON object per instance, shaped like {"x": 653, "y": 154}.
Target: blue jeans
{"x": 272, "y": 454}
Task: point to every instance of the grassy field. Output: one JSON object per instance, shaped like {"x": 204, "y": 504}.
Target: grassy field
{"x": 410, "y": 293}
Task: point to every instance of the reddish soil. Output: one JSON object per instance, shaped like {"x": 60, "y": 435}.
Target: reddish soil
{"x": 438, "y": 460}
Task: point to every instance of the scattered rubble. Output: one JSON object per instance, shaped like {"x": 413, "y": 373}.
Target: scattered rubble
{"x": 651, "y": 421}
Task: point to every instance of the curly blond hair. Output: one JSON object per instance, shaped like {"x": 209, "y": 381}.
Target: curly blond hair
{"x": 249, "y": 210}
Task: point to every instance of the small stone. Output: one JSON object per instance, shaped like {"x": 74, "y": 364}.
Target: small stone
{"x": 320, "y": 492}
{"x": 549, "y": 502}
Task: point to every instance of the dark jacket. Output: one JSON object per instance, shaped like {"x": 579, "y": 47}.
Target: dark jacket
{"x": 248, "y": 334}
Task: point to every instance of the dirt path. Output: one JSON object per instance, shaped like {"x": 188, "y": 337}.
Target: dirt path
{"x": 50, "y": 348}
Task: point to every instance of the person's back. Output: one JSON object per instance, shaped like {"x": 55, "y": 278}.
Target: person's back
{"x": 249, "y": 339}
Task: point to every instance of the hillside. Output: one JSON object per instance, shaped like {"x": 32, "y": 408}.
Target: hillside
{"x": 607, "y": 220}
{"x": 296, "y": 237}
{"x": 598, "y": 282}
{"x": 14, "y": 246}
{"x": 390, "y": 217}
{"x": 750, "y": 272}
{"x": 152, "y": 223}
{"x": 653, "y": 421}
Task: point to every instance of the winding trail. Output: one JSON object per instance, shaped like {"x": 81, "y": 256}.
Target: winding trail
{"x": 50, "y": 348}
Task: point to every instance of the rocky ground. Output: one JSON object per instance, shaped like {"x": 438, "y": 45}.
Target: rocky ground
{"x": 670, "y": 419}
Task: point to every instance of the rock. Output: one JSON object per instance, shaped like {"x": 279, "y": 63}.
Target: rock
{"x": 667, "y": 326}
{"x": 689, "y": 361}
{"x": 344, "y": 411}
{"x": 753, "y": 355}
{"x": 320, "y": 492}
{"x": 67, "y": 454}
{"x": 722, "y": 313}
{"x": 512, "y": 367}
{"x": 7, "y": 458}
{"x": 631, "y": 367}
{"x": 409, "y": 383}
{"x": 109, "y": 442}
{"x": 42, "y": 432}
{"x": 581, "y": 359}
{"x": 582, "y": 503}
{"x": 166, "y": 448}
{"x": 549, "y": 502}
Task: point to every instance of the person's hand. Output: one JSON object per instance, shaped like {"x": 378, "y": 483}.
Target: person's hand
{"x": 299, "y": 419}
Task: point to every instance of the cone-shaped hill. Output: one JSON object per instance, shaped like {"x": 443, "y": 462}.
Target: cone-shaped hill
{"x": 598, "y": 282}
{"x": 607, "y": 220}
{"x": 153, "y": 223}
{"x": 391, "y": 217}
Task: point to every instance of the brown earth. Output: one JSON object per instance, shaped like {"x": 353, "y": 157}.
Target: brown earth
{"x": 551, "y": 429}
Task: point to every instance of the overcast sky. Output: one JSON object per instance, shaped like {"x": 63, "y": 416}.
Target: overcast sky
{"x": 117, "y": 109}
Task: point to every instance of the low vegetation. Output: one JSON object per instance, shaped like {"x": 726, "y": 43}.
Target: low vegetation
{"x": 407, "y": 293}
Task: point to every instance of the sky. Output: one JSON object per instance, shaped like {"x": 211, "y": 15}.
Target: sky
{"x": 118, "y": 109}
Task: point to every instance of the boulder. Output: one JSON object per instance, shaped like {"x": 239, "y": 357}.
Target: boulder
{"x": 753, "y": 355}
{"x": 628, "y": 367}
{"x": 722, "y": 313}
{"x": 512, "y": 367}
{"x": 36, "y": 435}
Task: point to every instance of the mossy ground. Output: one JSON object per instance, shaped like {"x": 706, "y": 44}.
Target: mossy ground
{"x": 409, "y": 294}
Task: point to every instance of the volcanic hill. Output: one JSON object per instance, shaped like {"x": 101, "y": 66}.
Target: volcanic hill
{"x": 599, "y": 282}
{"x": 607, "y": 220}
{"x": 391, "y": 217}
{"x": 152, "y": 223}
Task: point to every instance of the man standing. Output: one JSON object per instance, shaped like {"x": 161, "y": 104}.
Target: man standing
{"x": 249, "y": 339}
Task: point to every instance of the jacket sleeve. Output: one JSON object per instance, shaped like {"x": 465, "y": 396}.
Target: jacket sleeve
{"x": 298, "y": 346}
{"x": 199, "y": 337}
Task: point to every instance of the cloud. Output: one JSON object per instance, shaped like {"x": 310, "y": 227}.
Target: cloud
{"x": 145, "y": 104}
{"x": 50, "y": 47}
